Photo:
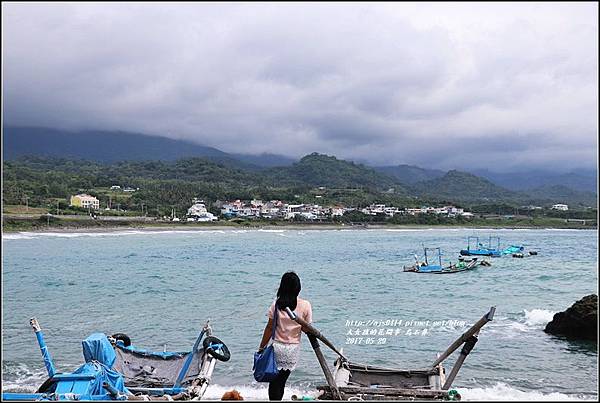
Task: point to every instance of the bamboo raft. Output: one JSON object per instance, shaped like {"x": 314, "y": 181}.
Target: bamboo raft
{"x": 353, "y": 381}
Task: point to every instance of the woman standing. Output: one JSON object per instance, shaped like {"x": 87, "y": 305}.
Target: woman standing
{"x": 286, "y": 344}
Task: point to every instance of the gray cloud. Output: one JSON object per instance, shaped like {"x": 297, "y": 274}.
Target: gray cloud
{"x": 440, "y": 85}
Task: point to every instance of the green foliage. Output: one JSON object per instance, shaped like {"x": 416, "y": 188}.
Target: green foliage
{"x": 324, "y": 170}
{"x": 315, "y": 179}
{"x": 465, "y": 187}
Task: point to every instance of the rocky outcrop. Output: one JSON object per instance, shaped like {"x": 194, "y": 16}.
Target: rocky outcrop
{"x": 580, "y": 321}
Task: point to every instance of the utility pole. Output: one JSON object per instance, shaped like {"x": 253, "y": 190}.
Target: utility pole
{"x": 142, "y": 208}
{"x": 57, "y": 207}
{"x": 26, "y": 203}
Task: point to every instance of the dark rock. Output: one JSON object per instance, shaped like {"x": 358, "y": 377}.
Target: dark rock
{"x": 580, "y": 321}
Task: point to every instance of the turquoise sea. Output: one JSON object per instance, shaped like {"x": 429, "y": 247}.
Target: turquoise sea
{"x": 160, "y": 287}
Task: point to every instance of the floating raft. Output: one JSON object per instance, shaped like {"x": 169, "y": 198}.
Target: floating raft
{"x": 492, "y": 248}
{"x": 352, "y": 381}
{"x": 426, "y": 267}
{"x": 376, "y": 383}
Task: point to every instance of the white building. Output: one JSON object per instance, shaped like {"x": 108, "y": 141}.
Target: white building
{"x": 560, "y": 207}
{"x": 199, "y": 213}
{"x": 337, "y": 211}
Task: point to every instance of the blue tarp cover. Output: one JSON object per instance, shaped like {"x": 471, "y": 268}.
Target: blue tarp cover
{"x": 99, "y": 357}
{"x": 513, "y": 249}
{"x": 430, "y": 268}
{"x": 97, "y": 348}
{"x": 101, "y": 374}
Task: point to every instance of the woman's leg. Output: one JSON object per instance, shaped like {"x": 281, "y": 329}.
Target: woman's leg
{"x": 277, "y": 386}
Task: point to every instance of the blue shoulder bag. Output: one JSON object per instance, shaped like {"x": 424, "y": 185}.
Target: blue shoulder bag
{"x": 265, "y": 367}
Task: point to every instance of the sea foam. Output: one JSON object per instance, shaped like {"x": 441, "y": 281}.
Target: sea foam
{"x": 538, "y": 317}
{"x": 504, "y": 392}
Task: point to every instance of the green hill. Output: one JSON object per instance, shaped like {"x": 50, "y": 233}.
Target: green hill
{"x": 463, "y": 186}
{"x": 324, "y": 170}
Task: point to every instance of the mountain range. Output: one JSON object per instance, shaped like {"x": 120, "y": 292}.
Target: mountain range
{"x": 108, "y": 147}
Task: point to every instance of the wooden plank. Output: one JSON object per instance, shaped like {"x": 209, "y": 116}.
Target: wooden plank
{"x": 389, "y": 393}
{"x": 474, "y": 329}
{"x": 326, "y": 371}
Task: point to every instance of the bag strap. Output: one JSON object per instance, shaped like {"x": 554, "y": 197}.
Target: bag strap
{"x": 275, "y": 310}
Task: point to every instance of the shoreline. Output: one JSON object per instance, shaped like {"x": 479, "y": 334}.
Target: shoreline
{"x": 286, "y": 227}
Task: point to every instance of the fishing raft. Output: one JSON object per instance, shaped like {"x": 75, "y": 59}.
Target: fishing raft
{"x": 425, "y": 266}
{"x": 492, "y": 248}
{"x": 355, "y": 381}
{"x": 116, "y": 370}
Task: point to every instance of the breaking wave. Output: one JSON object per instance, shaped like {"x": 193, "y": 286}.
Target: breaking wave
{"x": 504, "y": 392}
{"x": 538, "y": 317}
{"x": 254, "y": 392}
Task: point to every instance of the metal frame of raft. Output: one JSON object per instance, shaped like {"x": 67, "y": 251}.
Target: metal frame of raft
{"x": 97, "y": 379}
{"x": 352, "y": 381}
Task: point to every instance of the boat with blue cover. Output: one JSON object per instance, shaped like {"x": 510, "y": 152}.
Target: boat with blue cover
{"x": 116, "y": 370}
{"x": 492, "y": 249}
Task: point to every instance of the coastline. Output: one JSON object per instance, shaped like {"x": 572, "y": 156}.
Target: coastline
{"x": 269, "y": 227}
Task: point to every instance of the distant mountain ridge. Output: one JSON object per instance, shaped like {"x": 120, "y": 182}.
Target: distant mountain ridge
{"x": 114, "y": 146}
{"x": 410, "y": 174}
{"x": 312, "y": 170}
{"x": 581, "y": 180}
{"x": 561, "y": 194}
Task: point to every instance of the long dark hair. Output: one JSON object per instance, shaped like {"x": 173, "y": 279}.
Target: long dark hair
{"x": 289, "y": 288}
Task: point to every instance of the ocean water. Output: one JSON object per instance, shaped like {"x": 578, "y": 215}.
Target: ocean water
{"x": 160, "y": 287}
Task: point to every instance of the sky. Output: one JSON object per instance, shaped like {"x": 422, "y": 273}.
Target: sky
{"x": 500, "y": 86}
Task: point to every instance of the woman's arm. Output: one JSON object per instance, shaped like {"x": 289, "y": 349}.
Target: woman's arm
{"x": 266, "y": 334}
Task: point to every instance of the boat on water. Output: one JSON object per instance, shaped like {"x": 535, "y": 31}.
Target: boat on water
{"x": 116, "y": 370}
{"x": 492, "y": 248}
{"x": 434, "y": 265}
{"x": 355, "y": 381}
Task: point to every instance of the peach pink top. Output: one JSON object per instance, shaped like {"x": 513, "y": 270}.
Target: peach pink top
{"x": 288, "y": 331}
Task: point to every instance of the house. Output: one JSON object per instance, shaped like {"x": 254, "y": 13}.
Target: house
{"x": 115, "y": 187}
{"x": 560, "y": 207}
{"x": 85, "y": 201}
{"x": 198, "y": 212}
{"x": 337, "y": 211}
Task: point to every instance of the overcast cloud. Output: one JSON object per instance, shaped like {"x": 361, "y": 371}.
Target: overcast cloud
{"x": 495, "y": 85}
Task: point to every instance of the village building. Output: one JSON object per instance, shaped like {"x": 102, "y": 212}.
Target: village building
{"x": 85, "y": 201}
{"x": 199, "y": 213}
